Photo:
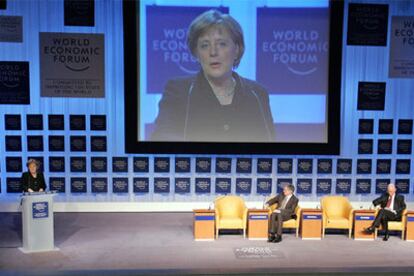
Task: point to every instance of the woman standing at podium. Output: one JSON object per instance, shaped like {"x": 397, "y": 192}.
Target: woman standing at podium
{"x": 32, "y": 180}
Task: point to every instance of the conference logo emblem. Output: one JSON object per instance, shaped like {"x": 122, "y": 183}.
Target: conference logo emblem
{"x": 72, "y": 65}
{"x": 299, "y": 50}
{"x": 174, "y": 49}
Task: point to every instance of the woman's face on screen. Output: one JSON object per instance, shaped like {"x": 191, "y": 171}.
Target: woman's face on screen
{"x": 217, "y": 52}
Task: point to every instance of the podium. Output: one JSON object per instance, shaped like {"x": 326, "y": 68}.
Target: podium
{"x": 362, "y": 220}
{"x": 204, "y": 224}
{"x": 409, "y": 234}
{"x": 311, "y": 224}
{"x": 37, "y": 220}
{"x": 258, "y": 223}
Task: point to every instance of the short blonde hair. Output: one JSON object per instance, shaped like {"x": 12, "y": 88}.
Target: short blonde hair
{"x": 214, "y": 18}
{"x": 32, "y": 161}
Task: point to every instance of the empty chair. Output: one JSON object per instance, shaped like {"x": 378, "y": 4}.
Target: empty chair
{"x": 231, "y": 213}
{"x": 337, "y": 213}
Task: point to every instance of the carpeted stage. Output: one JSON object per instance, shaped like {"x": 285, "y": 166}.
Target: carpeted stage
{"x": 162, "y": 243}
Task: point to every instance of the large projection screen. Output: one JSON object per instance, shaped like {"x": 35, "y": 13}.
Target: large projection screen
{"x": 232, "y": 77}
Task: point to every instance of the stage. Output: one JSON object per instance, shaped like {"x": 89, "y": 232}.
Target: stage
{"x": 159, "y": 243}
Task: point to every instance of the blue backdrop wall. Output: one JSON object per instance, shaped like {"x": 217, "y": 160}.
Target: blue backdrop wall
{"x": 360, "y": 63}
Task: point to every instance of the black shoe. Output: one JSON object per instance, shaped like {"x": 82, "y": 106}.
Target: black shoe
{"x": 277, "y": 239}
{"x": 369, "y": 230}
{"x": 386, "y": 237}
{"x": 271, "y": 238}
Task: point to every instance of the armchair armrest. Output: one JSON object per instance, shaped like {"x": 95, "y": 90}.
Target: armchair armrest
{"x": 298, "y": 215}
{"x": 245, "y": 213}
{"x": 404, "y": 217}
{"x": 351, "y": 217}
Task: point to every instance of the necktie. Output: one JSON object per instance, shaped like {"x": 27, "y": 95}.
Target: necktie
{"x": 389, "y": 202}
{"x": 284, "y": 202}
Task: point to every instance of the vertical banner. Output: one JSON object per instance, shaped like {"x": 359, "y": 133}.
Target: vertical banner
{"x": 323, "y": 186}
{"x": 403, "y": 186}
{"x": 284, "y": 165}
{"x": 381, "y": 185}
{"x": 243, "y": 185}
{"x": 383, "y": 166}
{"x": 56, "y": 122}
{"x": 293, "y": 43}
{"x": 343, "y": 186}
{"x": 119, "y": 164}
{"x": 344, "y": 166}
{"x": 13, "y": 164}
{"x": 202, "y": 185}
{"x": 57, "y": 184}
{"x": 77, "y": 122}
{"x": 161, "y": 185}
{"x": 264, "y": 165}
{"x": 34, "y": 122}
{"x": 77, "y": 164}
{"x": 223, "y": 185}
{"x": 203, "y": 164}
{"x": 120, "y": 185}
{"x": 56, "y": 143}
{"x": 11, "y": 28}
{"x": 366, "y": 126}
{"x": 161, "y": 164}
{"x": 166, "y": 44}
{"x": 324, "y": 166}
{"x": 402, "y": 47}
{"x": 13, "y": 185}
{"x": 282, "y": 182}
{"x": 182, "y": 185}
{"x": 99, "y": 185}
{"x": 264, "y": 186}
{"x": 244, "y": 165}
{"x": 304, "y": 185}
{"x": 79, "y": 13}
{"x": 56, "y": 164}
{"x": 141, "y": 164}
{"x": 141, "y": 185}
{"x": 72, "y": 65}
{"x": 363, "y": 186}
{"x": 305, "y": 166}
{"x": 223, "y": 165}
{"x": 12, "y": 122}
{"x": 99, "y": 164}
{"x": 182, "y": 164}
{"x": 405, "y": 126}
{"x": 98, "y": 123}
{"x": 367, "y": 24}
{"x": 14, "y": 82}
{"x": 78, "y": 185}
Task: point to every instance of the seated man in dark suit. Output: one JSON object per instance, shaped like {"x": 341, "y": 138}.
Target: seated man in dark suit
{"x": 392, "y": 206}
{"x": 286, "y": 205}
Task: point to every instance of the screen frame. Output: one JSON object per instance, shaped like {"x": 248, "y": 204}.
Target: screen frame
{"x": 131, "y": 11}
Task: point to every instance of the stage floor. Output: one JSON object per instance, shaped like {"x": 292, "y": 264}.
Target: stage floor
{"x": 144, "y": 243}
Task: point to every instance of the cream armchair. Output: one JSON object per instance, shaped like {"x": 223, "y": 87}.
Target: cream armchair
{"x": 337, "y": 213}
{"x": 396, "y": 225}
{"x": 231, "y": 213}
{"x": 289, "y": 224}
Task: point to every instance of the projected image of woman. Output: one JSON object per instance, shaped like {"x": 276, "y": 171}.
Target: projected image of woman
{"x": 216, "y": 105}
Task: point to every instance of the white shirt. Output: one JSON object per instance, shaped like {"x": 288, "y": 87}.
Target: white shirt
{"x": 392, "y": 202}
{"x": 286, "y": 202}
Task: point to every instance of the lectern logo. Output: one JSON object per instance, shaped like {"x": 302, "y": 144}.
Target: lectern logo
{"x": 40, "y": 209}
